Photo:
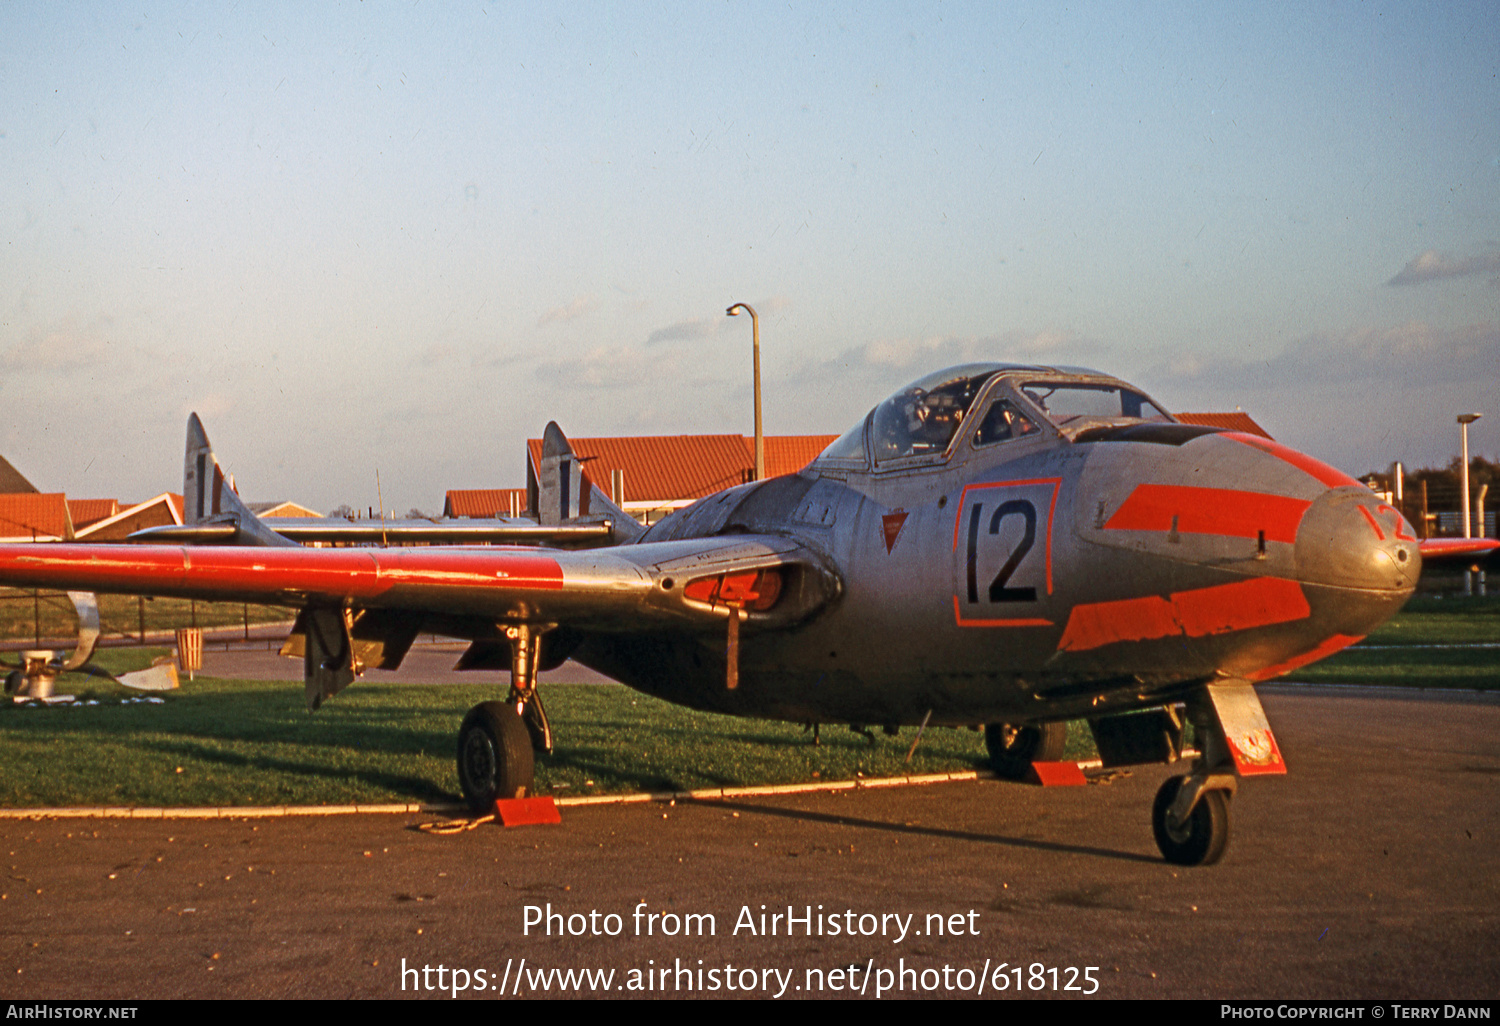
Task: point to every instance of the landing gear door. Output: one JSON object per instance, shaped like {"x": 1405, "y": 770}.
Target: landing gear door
{"x": 1247, "y": 734}
{"x": 1002, "y": 554}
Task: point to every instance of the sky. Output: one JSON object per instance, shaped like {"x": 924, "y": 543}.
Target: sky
{"x": 394, "y": 240}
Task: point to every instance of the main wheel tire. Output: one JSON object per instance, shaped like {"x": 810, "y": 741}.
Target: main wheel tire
{"x": 15, "y": 682}
{"x": 1013, "y": 749}
{"x": 494, "y": 756}
{"x": 1201, "y": 841}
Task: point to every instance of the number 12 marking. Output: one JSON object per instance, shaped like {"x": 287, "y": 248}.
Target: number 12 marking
{"x": 998, "y": 591}
{"x": 979, "y": 517}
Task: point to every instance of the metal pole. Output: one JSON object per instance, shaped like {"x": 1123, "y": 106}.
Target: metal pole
{"x": 760, "y": 438}
{"x": 1464, "y": 420}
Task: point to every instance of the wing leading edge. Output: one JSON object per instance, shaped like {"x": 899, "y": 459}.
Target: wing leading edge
{"x": 630, "y": 588}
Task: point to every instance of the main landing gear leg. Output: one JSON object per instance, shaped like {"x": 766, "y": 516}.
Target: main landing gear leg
{"x": 497, "y": 740}
{"x": 525, "y": 652}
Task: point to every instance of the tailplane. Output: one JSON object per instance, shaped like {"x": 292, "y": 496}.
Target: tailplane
{"x": 565, "y": 495}
{"x": 210, "y": 499}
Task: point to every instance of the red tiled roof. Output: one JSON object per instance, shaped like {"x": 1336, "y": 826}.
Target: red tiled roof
{"x": 87, "y": 511}
{"x": 663, "y": 468}
{"x": 787, "y": 454}
{"x": 34, "y": 515}
{"x": 482, "y": 502}
{"x": 669, "y": 468}
{"x": 1233, "y": 421}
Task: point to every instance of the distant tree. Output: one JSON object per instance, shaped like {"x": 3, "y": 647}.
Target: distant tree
{"x": 416, "y": 514}
{"x": 346, "y": 511}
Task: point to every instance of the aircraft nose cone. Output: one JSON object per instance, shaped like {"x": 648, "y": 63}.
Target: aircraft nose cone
{"x": 1349, "y": 539}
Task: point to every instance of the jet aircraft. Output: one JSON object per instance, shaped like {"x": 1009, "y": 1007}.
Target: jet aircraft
{"x": 999, "y": 544}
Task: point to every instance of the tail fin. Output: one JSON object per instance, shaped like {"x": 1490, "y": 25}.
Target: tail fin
{"x": 209, "y": 495}
{"x": 565, "y": 493}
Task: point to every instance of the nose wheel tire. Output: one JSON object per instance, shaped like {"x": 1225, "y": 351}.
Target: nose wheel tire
{"x": 1013, "y": 749}
{"x": 1200, "y": 841}
{"x": 494, "y": 756}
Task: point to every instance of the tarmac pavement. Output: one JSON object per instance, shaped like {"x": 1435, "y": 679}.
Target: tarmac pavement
{"x": 1371, "y": 871}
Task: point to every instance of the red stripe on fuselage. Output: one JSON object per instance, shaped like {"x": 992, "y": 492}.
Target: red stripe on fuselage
{"x": 355, "y": 573}
{"x": 1197, "y": 613}
{"x": 1223, "y": 511}
{"x": 1331, "y": 477}
{"x": 1324, "y": 649}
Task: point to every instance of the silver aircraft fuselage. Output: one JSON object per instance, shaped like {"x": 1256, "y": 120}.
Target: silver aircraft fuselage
{"x": 1067, "y": 550}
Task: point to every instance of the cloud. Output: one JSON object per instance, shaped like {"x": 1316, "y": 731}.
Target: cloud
{"x": 1356, "y": 399}
{"x": 770, "y": 306}
{"x": 684, "y": 331}
{"x": 64, "y": 349}
{"x": 209, "y": 406}
{"x": 607, "y": 368}
{"x": 579, "y": 307}
{"x": 915, "y": 357}
{"x": 1434, "y": 266}
{"x": 434, "y": 354}
{"x": 1372, "y": 358}
{"x": 829, "y": 395}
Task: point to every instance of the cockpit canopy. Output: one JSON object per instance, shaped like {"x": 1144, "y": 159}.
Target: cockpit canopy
{"x": 925, "y": 417}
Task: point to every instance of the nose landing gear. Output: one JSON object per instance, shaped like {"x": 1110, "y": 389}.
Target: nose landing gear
{"x": 1190, "y": 816}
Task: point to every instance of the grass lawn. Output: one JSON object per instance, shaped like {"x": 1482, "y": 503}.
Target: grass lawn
{"x": 1409, "y": 650}
{"x": 218, "y": 743}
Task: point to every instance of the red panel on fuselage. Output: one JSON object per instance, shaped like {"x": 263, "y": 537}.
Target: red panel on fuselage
{"x": 1203, "y": 611}
{"x": 1223, "y": 511}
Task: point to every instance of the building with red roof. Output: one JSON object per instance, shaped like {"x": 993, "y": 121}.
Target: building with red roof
{"x": 659, "y": 473}
{"x": 34, "y": 516}
{"x": 1236, "y": 421}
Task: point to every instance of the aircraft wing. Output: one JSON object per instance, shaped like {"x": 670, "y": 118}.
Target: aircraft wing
{"x": 373, "y": 532}
{"x": 1436, "y": 550}
{"x": 771, "y": 580}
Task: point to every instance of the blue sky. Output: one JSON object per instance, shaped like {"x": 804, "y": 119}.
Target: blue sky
{"x": 401, "y": 237}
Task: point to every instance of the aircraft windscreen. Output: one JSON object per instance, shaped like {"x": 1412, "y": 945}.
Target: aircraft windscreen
{"x": 922, "y": 418}
{"x": 1064, "y": 402}
{"x": 848, "y": 446}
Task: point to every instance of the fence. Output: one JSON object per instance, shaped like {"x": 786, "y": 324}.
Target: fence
{"x": 39, "y": 618}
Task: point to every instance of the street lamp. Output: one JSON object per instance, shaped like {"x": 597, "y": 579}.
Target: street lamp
{"x": 1464, "y": 420}
{"x": 760, "y": 438}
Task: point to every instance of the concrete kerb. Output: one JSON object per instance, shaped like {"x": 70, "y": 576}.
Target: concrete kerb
{"x": 444, "y": 809}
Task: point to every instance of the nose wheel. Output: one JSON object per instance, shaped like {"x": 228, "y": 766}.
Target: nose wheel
{"x": 1197, "y": 838}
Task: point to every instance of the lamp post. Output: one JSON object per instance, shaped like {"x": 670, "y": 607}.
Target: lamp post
{"x": 760, "y": 438}
{"x": 1464, "y": 420}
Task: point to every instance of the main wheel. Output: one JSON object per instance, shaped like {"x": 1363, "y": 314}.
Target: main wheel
{"x": 1202, "y": 839}
{"x": 494, "y": 756}
{"x": 1013, "y": 749}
